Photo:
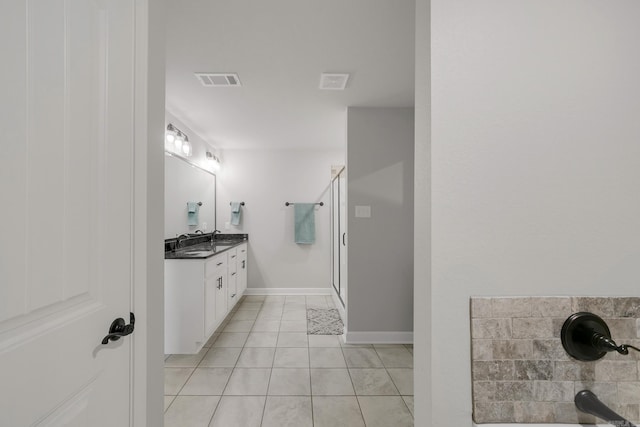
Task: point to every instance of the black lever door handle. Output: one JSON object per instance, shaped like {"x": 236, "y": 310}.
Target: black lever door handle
{"x": 119, "y": 329}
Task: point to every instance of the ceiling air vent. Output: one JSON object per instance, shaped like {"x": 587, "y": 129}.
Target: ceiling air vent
{"x": 333, "y": 81}
{"x": 218, "y": 79}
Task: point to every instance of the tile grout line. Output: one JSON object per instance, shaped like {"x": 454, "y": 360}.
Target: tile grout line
{"x": 264, "y": 405}
{"x": 313, "y": 421}
{"x": 232, "y": 369}
{"x": 384, "y": 365}
{"x": 392, "y": 381}
{"x": 230, "y": 375}
{"x": 266, "y": 397}
{"x": 355, "y": 393}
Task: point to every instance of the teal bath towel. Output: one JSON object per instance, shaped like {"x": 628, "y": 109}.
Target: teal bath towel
{"x": 192, "y": 213}
{"x": 235, "y": 213}
{"x": 305, "y": 231}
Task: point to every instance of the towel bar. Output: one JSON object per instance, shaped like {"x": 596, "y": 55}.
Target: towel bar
{"x": 241, "y": 203}
{"x": 287, "y": 203}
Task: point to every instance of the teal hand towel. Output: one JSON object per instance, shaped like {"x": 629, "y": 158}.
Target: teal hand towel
{"x": 305, "y": 223}
{"x": 235, "y": 213}
{"x": 192, "y": 213}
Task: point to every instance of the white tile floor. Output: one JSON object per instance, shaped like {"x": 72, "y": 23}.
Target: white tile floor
{"x": 263, "y": 369}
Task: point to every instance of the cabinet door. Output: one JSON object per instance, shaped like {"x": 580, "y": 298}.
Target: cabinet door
{"x": 216, "y": 284}
{"x": 241, "y": 283}
{"x": 210, "y": 305}
{"x": 221, "y": 296}
{"x": 232, "y": 292}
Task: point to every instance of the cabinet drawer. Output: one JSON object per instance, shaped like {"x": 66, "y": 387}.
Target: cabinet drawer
{"x": 214, "y": 264}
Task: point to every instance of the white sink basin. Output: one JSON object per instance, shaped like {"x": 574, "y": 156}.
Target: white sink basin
{"x": 197, "y": 253}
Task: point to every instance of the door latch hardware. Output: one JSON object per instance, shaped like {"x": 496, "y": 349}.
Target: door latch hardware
{"x": 119, "y": 329}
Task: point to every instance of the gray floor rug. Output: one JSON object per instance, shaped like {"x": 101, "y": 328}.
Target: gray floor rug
{"x": 324, "y": 321}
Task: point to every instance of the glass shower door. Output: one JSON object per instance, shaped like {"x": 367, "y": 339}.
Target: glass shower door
{"x": 338, "y": 235}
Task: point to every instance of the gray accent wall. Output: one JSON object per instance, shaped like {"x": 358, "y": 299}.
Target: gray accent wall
{"x": 380, "y": 144}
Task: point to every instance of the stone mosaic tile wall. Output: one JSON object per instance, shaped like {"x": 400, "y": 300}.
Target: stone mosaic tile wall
{"x": 521, "y": 373}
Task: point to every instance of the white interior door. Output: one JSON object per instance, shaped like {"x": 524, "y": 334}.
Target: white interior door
{"x": 66, "y": 114}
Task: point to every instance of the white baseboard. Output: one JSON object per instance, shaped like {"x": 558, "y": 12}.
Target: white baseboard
{"x": 287, "y": 291}
{"x": 378, "y": 337}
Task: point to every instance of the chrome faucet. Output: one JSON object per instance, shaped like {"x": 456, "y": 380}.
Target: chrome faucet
{"x": 180, "y": 239}
{"x": 213, "y": 235}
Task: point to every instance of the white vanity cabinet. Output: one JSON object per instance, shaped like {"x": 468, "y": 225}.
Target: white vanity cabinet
{"x": 195, "y": 302}
{"x": 199, "y": 293}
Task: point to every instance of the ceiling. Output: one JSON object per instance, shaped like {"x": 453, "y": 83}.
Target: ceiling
{"x": 279, "y": 48}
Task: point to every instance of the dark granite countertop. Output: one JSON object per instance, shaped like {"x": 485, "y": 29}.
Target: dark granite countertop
{"x": 202, "y": 247}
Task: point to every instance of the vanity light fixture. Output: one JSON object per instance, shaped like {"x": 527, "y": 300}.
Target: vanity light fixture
{"x": 213, "y": 160}
{"x": 186, "y": 147}
{"x": 177, "y": 141}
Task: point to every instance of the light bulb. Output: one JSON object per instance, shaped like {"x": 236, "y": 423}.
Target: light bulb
{"x": 170, "y": 137}
{"x": 178, "y": 144}
{"x": 186, "y": 148}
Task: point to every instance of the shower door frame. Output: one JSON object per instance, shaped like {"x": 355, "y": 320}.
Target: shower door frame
{"x": 338, "y": 234}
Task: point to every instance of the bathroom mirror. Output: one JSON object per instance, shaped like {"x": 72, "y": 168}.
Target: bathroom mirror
{"x": 187, "y": 182}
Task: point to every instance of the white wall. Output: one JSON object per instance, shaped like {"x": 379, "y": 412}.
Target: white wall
{"x": 535, "y": 164}
{"x": 422, "y": 219}
{"x": 148, "y": 351}
{"x": 380, "y": 150}
{"x": 265, "y": 180}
